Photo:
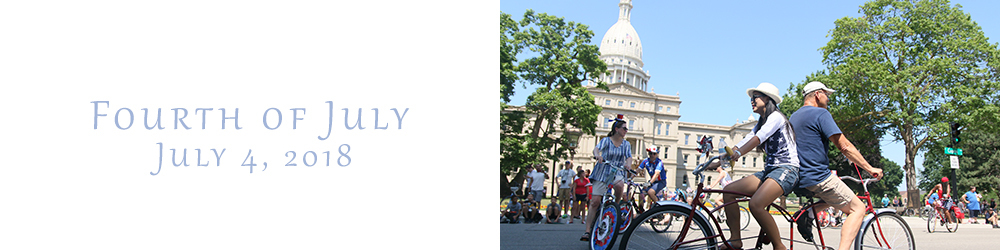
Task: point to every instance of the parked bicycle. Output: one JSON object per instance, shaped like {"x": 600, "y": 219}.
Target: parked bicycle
{"x": 881, "y": 228}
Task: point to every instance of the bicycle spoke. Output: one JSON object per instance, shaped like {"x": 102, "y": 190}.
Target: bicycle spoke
{"x": 650, "y": 235}
{"x": 887, "y": 231}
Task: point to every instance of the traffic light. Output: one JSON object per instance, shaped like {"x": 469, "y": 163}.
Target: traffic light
{"x": 955, "y": 139}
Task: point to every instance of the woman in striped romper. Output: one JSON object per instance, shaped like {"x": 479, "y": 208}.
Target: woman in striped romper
{"x": 617, "y": 151}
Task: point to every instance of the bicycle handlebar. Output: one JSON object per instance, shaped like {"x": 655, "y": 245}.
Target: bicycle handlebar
{"x": 864, "y": 182}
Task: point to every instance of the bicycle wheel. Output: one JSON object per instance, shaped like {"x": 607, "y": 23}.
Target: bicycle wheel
{"x": 602, "y": 235}
{"x": 659, "y": 223}
{"x": 885, "y": 231}
{"x": 953, "y": 225}
{"x": 744, "y": 217}
{"x": 627, "y": 212}
{"x": 932, "y": 221}
{"x": 644, "y": 236}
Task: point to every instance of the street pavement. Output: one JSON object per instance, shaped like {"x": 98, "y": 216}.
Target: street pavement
{"x": 567, "y": 236}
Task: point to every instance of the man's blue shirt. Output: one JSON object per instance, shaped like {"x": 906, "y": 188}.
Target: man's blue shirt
{"x": 651, "y": 168}
{"x": 813, "y": 127}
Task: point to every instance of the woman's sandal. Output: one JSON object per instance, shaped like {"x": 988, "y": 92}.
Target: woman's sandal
{"x": 585, "y": 237}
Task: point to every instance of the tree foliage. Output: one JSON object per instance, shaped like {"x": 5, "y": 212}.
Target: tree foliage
{"x": 917, "y": 65}
{"x": 979, "y": 163}
{"x": 509, "y": 49}
{"x": 864, "y": 131}
{"x": 563, "y": 61}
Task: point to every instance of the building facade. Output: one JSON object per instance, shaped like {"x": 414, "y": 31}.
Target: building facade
{"x": 653, "y": 119}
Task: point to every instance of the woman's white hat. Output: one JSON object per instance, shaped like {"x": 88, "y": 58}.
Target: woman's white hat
{"x": 768, "y": 89}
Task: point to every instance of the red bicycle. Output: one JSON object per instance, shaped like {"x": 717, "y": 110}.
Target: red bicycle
{"x": 881, "y": 228}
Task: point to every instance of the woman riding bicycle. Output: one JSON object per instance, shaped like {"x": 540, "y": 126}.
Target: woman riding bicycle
{"x": 773, "y": 136}
{"x": 617, "y": 152}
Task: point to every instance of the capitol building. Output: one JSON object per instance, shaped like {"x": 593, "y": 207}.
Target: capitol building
{"x": 653, "y": 119}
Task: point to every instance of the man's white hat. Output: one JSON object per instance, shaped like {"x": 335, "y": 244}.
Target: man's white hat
{"x": 768, "y": 89}
{"x": 814, "y": 86}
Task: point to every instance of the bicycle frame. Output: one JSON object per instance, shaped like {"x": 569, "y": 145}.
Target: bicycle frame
{"x": 697, "y": 202}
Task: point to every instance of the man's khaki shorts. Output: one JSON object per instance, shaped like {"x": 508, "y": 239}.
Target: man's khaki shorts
{"x": 564, "y": 194}
{"x": 833, "y": 191}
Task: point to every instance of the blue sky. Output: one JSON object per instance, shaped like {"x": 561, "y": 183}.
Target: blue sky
{"x": 710, "y": 52}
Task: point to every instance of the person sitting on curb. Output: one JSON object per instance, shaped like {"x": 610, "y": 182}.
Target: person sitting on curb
{"x": 552, "y": 212}
{"x": 513, "y": 210}
{"x": 530, "y": 210}
{"x": 991, "y": 217}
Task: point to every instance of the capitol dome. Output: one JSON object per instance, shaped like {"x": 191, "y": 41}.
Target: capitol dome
{"x": 621, "y": 39}
{"x": 622, "y": 51}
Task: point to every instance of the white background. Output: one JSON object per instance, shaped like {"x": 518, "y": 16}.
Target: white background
{"x": 66, "y": 185}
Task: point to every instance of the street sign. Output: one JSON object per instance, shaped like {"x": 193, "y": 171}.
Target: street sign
{"x": 954, "y": 162}
{"x": 953, "y": 151}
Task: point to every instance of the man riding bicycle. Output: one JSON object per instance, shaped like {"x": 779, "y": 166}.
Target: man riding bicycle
{"x": 814, "y": 129}
{"x": 941, "y": 194}
{"x": 657, "y": 176}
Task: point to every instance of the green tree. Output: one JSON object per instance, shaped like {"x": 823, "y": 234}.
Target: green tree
{"x": 936, "y": 165}
{"x": 564, "y": 60}
{"x": 851, "y": 112}
{"x": 509, "y": 48}
{"x": 979, "y": 163}
{"x": 893, "y": 177}
{"x": 919, "y": 65}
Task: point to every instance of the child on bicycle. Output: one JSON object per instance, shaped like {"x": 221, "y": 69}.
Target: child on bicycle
{"x": 773, "y": 136}
{"x": 617, "y": 152}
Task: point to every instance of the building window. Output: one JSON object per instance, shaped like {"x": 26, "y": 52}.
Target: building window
{"x": 686, "y": 137}
{"x": 607, "y": 102}
{"x": 667, "y": 130}
{"x": 697, "y": 159}
{"x": 632, "y": 105}
{"x": 630, "y": 124}
{"x": 744, "y": 159}
{"x": 620, "y": 103}
{"x": 668, "y": 109}
{"x": 660, "y": 109}
{"x": 755, "y": 162}
{"x": 658, "y": 128}
{"x": 685, "y": 160}
{"x": 606, "y": 121}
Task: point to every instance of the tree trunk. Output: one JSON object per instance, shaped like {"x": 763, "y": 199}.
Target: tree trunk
{"x": 912, "y": 192}
{"x": 518, "y": 181}
{"x": 504, "y": 186}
